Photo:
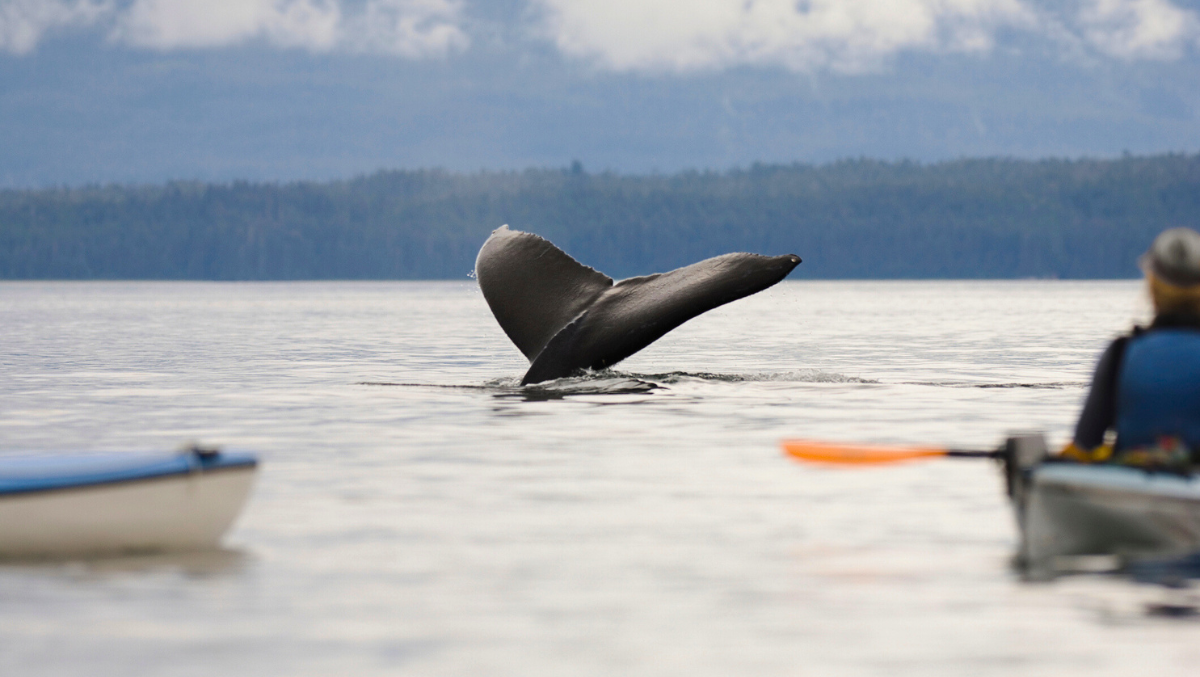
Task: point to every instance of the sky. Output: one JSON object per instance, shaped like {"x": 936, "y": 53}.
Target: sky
{"x": 146, "y": 91}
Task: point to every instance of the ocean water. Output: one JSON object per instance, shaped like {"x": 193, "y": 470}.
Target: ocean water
{"x": 419, "y": 513}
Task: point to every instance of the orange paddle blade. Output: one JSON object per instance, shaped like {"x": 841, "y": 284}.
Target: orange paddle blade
{"x": 855, "y": 454}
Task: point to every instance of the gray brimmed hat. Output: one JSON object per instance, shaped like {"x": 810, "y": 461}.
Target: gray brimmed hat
{"x": 1174, "y": 257}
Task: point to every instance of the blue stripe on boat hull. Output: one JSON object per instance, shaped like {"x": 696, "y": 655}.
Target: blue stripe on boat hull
{"x": 24, "y": 475}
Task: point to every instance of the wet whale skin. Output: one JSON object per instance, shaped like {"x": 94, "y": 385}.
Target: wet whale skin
{"x": 566, "y": 317}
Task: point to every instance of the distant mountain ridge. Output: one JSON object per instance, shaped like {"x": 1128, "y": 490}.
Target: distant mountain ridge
{"x": 971, "y": 218}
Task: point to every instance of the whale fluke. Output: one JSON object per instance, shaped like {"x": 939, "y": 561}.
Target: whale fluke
{"x": 566, "y": 317}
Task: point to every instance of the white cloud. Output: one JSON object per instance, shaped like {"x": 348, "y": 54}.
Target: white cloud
{"x": 23, "y": 22}
{"x": 842, "y": 34}
{"x": 1131, "y": 29}
{"x": 845, "y": 35}
{"x": 167, "y": 24}
{"x": 409, "y": 28}
{"x": 630, "y": 35}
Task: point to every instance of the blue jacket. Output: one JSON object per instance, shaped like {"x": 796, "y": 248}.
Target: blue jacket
{"x": 1146, "y": 385}
{"x": 1158, "y": 389}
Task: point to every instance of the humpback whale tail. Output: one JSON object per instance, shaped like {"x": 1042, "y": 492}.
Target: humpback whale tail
{"x": 566, "y": 317}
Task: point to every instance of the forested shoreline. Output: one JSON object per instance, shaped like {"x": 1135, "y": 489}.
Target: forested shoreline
{"x": 973, "y": 218}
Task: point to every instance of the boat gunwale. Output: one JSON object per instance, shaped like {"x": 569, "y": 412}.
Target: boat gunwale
{"x": 249, "y": 464}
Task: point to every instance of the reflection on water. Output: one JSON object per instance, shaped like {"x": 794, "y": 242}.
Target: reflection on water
{"x": 589, "y": 384}
{"x": 567, "y": 387}
{"x": 954, "y": 384}
{"x": 190, "y": 564}
{"x": 456, "y": 523}
{"x": 1176, "y": 572}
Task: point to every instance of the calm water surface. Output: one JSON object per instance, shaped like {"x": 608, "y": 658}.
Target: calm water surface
{"x": 418, "y": 513}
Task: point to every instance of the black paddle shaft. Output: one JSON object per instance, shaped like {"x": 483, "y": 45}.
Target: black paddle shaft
{"x": 975, "y": 453}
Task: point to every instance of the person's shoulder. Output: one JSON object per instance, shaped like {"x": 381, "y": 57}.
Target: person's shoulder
{"x": 1175, "y": 321}
{"x": 1116, "y": 348}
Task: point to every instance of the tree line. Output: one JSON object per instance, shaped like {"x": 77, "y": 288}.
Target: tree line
{"x": 971, "y": 218}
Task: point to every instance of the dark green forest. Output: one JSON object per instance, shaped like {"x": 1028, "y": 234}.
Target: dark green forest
{"x": 981, "y": 218}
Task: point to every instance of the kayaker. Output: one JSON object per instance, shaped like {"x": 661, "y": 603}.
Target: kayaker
{"x": 1146, "y": 388}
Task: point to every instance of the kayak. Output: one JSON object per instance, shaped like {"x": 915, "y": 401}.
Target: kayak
{"x": 1064, "y": 508}
{"x": 1070, "y": 509}
{"x": 54, "y": 506}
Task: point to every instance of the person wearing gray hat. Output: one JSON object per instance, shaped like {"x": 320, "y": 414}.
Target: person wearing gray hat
{"x": 1146, "y": 389}
{"x": 1174, "y": 258}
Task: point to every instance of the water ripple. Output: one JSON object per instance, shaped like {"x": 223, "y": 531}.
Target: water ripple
{"x": 1051, "y": 385}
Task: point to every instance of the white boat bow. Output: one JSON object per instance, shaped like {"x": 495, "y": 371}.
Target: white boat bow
{"x": 115, "y": 503}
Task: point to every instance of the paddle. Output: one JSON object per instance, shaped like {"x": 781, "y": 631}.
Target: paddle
{"x": 865, "y": 454}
